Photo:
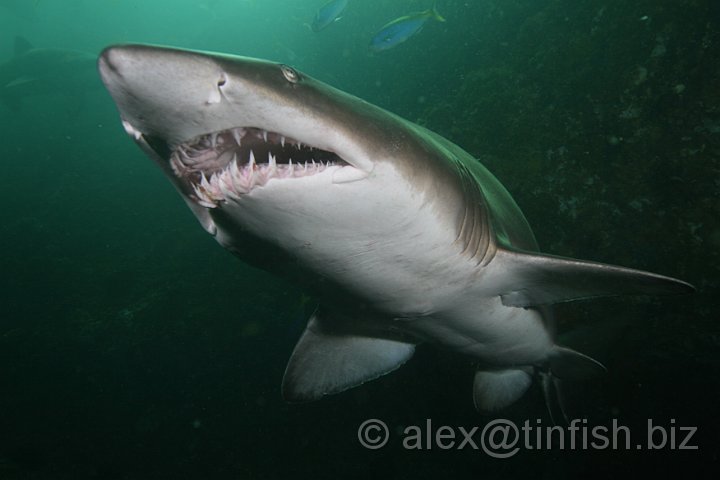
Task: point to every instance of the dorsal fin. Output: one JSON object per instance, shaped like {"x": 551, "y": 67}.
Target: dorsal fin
{"x": 22, "y": 45}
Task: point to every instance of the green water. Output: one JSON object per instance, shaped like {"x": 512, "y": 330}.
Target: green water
{"x": 133, "y": 347}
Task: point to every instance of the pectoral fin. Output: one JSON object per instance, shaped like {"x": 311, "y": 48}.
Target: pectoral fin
{"x": 330, "y": 359}
{"x": 526, "y": 280}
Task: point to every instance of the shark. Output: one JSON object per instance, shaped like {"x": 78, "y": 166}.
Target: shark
{"x": 402, "y": 236}
{"x": 39, "y": 71}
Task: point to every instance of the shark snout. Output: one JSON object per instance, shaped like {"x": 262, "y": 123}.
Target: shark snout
{"x": 109, "y": 62}
{"x": 131, "y": 63}
{"x": 116, "y": 61}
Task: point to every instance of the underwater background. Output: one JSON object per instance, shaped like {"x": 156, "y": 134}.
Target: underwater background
{"x": 133, "y": 347}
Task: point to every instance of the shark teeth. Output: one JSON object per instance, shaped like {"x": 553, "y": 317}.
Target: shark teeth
{"x": 234, "y": 181}
{"x": 237, "y": 135}
{"x": 224, "y": 165}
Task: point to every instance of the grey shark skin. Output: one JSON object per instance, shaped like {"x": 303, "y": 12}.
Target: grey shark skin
{"x": 402, "y": 236}
{"x": 36, "y": 71}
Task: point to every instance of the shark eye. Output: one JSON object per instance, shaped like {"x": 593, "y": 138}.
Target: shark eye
{"x": 291, "y": 75}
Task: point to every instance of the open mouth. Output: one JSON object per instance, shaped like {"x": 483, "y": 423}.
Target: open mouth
{"x": 228, "y": 164}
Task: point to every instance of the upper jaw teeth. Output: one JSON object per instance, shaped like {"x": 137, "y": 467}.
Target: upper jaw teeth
{"x": 131, "y": 130}
{"x": 234, "y": 181}
{"x": 237, "y": 135}
{"x": 227, "y": 164}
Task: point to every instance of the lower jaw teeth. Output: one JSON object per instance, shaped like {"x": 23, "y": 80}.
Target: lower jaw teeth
{"x": 234, "y": 181}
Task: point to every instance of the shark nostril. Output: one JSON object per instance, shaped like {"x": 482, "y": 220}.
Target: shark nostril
{"x": 216, "y": 94}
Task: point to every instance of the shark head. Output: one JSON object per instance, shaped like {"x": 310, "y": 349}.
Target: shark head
{"x": 260, "y": 147}
{"x": 233, "y": 123}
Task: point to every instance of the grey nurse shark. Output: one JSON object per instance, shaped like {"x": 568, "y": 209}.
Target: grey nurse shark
{"x": 41, "y": 71}
{"x": 402, "y": 236}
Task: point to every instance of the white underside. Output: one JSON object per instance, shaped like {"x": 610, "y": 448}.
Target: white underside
{"x": 387, "y": 243}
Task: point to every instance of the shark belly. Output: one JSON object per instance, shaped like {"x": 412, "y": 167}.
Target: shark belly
{"x": 402, "y": 267}
{"x": 385, "y": 254}
{"x": 497, "y": 336}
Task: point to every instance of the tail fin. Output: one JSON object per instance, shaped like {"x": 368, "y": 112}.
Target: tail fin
{"x": 565, "y": 364}
{"x": 554, "y": 401}
{"x": 494, "y": 390}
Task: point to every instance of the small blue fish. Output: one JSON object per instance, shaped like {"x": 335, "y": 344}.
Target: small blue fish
{"x": 400, "y": 29}
{"x": 328, "y": 13}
